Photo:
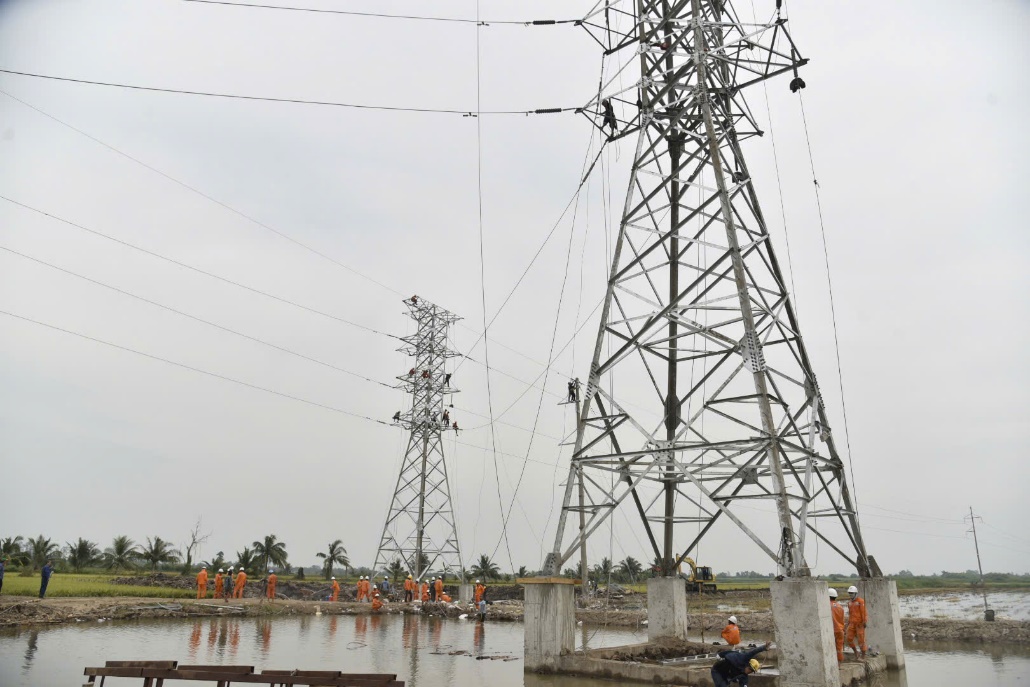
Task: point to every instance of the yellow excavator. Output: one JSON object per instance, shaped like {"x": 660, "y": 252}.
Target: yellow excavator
{"x": 701, "y": 578}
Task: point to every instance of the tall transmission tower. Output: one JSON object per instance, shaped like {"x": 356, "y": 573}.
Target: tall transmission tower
{"x": 420, "y": 530}
{"x": 701, "y": 403}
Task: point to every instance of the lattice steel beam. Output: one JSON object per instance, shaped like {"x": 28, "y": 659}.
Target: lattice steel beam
{"x": 697, "y": 315}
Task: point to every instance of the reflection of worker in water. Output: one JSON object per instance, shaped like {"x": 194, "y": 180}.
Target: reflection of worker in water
{"x": 735, "y": 666}
{"x": 857, "y": 619}
{"x": 837, "y": 613}
{"x": 731, "y": 633}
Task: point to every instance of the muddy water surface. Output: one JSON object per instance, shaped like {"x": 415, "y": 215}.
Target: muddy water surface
{"x": 425, "y": 652}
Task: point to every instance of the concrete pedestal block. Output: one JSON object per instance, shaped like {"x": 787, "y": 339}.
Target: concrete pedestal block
{"x": 804, "y": 633}
{"x": 466, "y": 592}
{"x": 549, "y": 620}
{"x": 666, "y": 608}
{"x": 883, "y": 631}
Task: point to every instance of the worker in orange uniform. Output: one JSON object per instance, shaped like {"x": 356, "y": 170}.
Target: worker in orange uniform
{"x": 272, "y": 579}
{"x": 409, "y": 589}
{"x": 241, "y": 582}
{"x": 837, "y": 613}
{"x": 219, "y": 581}
{"x": 202, "y": 584}
{"x": 857, "y": 619}
{"x": 336, "y": 591}
{"x": 377, "y": 602}
{"x": 439, "y": 588}
{"x": 480, "y": 590}
{"x": 425, "y": 592}
{"x": 731, "y": 633}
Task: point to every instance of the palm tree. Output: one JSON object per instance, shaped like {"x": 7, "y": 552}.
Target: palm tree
{"x": 396, "y": 570}
{"x": 217, "y": 562}
{"x": 122, "y": 553}
{"x": 82, "y": 554}
{"x": 270, "y": 551}
{"x": 11, "y": 550}
{"x": 158, "y": 551}
{"x": 336, "y": 555}
{"x": 631, "y": 568}
{"x": 523, "y": 571}
{"x": 485, "y": 568}
{"x": 245, "y": 558}
{"x": 42, "y": 550}
{"x": 603, "y": 570}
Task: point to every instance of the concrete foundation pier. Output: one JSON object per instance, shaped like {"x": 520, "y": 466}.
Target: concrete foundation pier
{"x": 550, "y": 621}
{"x": 666, "y": 608}
{"x": 804, "y": 633}
{"x": 465, "y": 593}
{"x": 883, "y": 631}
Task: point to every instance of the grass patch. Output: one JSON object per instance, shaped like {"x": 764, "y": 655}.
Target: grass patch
{"x": 73, "y": 585}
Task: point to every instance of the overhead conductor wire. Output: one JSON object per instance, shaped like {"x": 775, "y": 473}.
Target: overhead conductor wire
{"x": 482, "y": 286}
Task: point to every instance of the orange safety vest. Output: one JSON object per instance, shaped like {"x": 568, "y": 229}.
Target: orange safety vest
{"x": 856, "y": 612}
{"x": 837, "y": 611}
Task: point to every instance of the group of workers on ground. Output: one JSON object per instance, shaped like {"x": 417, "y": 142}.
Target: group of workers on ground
{"x": 735, "y": 666}
{"x": 229, "y": 584}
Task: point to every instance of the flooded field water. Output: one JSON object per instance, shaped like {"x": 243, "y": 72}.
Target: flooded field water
{"x": 425, "y": 652}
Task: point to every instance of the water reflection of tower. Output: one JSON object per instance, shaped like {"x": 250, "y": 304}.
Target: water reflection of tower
{"x": 195, "y": 634}
{"x": 410, "y": 641}
{"x": 223, "y": 636}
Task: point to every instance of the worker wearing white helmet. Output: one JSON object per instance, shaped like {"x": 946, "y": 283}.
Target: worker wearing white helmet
{"x": 837, "y": 614}
{"x": 241, "y": 583}
{"x": 735, "y": 666}
{"x": 857, "y": 620}
{"x": 731, "y": 633}
{"x": 270, "y": 583}
{"x": 480, "y": 591}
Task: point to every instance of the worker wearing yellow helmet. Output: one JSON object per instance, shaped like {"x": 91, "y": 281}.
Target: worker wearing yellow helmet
{"x": 733, "y": 667}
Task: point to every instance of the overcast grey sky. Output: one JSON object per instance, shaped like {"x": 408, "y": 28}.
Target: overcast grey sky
{"x": 916, "y": 113}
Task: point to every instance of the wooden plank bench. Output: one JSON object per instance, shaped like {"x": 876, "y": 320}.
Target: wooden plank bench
{"x": 154, "y": 674}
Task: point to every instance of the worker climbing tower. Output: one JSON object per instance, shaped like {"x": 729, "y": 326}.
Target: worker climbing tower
{"x": 701, "y": 404}
{"x": 420, "y": 530}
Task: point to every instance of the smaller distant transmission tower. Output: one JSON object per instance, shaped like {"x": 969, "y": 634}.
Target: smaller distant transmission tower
{"x": 420, "y": 529}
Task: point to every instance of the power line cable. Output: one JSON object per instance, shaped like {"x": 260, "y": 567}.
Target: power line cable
{"x": 380, "y": 15}
{"x": 258, "y": 222}
{"x": 193, "y": 369}
{"x": 198, "y": 270}
{"x": 197, "y": 319}
{"x": 294, "y": 101}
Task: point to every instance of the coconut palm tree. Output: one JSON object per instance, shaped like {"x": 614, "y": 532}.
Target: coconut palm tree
{"x": 82, "y": 554}
{"x": 41, "y": 549}
{"x": 270, "y": 551}
{"x": 158, "y": 551}
{"x": 396, "y": 570}
{"x": 215, "y": 563}
{"x": 11, "y": 549}
{"x": 246, "y": 558}
{"x": 335, "y": 555}
{"x": 485, "y": 568}
{"x": 122, "y": 554}
{"x": 603, "y": 570}
{"x": 630, "y": 568}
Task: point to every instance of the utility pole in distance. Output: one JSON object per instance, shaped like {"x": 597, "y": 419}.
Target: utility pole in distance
{"x": 988, "y": 613}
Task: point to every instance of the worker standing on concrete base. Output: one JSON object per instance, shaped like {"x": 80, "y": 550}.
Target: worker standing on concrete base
{"x": 425, "y": 592}
{"x": 837, "y": 613}
{"x": 731, "y": 633}
{"x": 480, "y": 590}
{"x": 202, "y": 583}
{"x": 219, "y": 583}
{"x": 271, "y": 581}
{"x": 409, "y": 589}
{"x": 857, "y": 619}
{"x": 735, "y": 666}
{"x": 438, "y": 596}
{"x": 336, "y": 591}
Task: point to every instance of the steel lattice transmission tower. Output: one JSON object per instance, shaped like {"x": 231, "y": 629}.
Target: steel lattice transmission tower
{"x": 420, "y": 529}
{"x": 702, "y": 403}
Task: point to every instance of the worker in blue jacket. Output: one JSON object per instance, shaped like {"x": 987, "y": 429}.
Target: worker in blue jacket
{"x": 735, "y": 666}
